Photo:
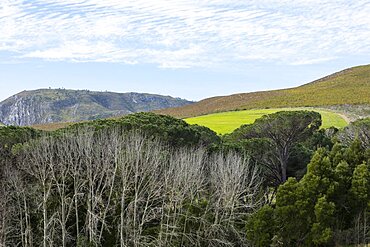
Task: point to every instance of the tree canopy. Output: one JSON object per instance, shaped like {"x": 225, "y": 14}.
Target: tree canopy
{"x": 330, "y": 204}
{"x": 273, "y": 139}
{"x": 173, "y": 131}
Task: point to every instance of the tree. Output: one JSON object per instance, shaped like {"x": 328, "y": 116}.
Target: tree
{"x": 359, "y": 129}
{"x": 282, "y": 131}
{"x": 108, "y": 186}
{"x": 329, "y": 204}
{"x": 360, "y": 191}
{"x": 9, "y": 137}
{"x": 260, "y": 227}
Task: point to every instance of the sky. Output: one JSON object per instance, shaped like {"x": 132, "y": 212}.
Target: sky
{"x": 188, "y": 49}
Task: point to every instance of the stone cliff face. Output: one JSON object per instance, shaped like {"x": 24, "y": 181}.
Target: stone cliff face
{"x": 24, "y": 111}
{"x": 58, "y": 105}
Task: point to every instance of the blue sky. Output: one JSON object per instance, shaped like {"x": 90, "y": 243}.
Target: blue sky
{"x": 188, "y": 49}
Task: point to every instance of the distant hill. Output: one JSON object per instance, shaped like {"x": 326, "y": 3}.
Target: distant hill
{"x": 347, "y": 87}
{"x": 61, "y": 105}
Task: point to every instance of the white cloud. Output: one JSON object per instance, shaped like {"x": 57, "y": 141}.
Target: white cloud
{"x": 184, "y": 33}
{"x": 312, "y": 61}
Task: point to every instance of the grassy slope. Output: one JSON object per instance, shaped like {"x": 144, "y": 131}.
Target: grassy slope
{"x": 226, "y": 122}
{"x": 350, "y": 86}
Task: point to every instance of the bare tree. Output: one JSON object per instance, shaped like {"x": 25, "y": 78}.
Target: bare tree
{"x": 236, "y": 192}
{"x": 140, "y": 173}
{"x": 89, "y": 186}
{"x": 60, "y": 171}
{"x": 359, "y": 130}
{"x": 37, "y": 163}
{"x": 187, "y": 183}
{"x": 19, "y": 220}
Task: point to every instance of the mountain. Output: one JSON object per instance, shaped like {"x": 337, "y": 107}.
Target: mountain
{"x": 347, "y": 87}
{"x": 61, "y": 105}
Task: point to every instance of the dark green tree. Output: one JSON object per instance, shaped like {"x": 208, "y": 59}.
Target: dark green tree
{"x": 329, "y": 206}
{"x": 260, "y": 227}
{"x": 278, "y": 135}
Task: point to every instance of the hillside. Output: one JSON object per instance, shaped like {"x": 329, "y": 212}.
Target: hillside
{"x": 347, "y": 87}
{"x": 61, "y": 105}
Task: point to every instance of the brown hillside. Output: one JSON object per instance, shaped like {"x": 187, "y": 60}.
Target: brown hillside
{"x": 347, "y": 87}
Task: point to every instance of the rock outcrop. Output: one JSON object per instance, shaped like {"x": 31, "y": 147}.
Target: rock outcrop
{"x": 61, "y": 105}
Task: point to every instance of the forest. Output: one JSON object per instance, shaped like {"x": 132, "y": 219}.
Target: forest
{"x": 154, "y": 180}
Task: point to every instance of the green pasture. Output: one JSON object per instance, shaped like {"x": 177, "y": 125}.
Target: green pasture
{"x": 226, "y": 122}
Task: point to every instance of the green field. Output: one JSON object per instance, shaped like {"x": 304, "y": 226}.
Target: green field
{"x": 226, "y": 122}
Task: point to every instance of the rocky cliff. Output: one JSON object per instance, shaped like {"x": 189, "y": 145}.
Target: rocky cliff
{"x": 61, "y": 105}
